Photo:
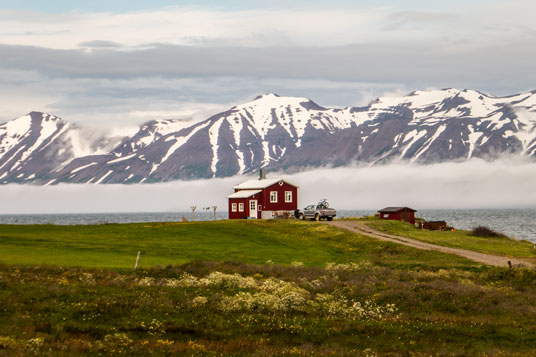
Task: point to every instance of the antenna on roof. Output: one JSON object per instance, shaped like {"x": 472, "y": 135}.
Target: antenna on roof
{"x": 262, "y": 175}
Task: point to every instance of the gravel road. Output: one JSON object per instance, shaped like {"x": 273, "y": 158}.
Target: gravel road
{"x": 489, "y": 259}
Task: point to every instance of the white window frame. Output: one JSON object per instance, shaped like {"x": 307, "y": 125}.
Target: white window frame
{"x": 241, "y": 207}
{"x": 252, "y": 205}
{"x": 273, "y": 196}
{"x": 233, "y": 207}
{"x": 288, "y": 196}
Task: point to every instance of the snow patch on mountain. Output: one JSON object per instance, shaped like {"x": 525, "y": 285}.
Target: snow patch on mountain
{"x": 121, "y": 159}
{"x": 83, "y": 167}
{"x": 179, "y": 141}
{"x": 213, "y": 134}
{"x": 13, "y": 132}
{"x": 48, "y": 126}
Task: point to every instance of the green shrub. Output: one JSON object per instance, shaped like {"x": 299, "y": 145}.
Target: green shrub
{"x": 486, "y": 232}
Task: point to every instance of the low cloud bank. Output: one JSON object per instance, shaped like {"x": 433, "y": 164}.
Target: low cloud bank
{"x": 472, "y": 184}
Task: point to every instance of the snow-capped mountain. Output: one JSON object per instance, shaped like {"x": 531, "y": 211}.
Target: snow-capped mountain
{"x": 238, "y": 141}
{"x": 279, "y": 133}
{"x": 35, "y": 146}
{"x": 432, "y": 126}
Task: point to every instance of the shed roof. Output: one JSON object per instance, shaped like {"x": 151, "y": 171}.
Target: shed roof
{"x": 396, "y": 209}
{"x": 244, "y": 194}
{"x": 259, "y": 184}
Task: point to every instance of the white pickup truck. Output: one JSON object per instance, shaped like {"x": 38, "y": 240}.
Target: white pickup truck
{"x": 317, "y": 212}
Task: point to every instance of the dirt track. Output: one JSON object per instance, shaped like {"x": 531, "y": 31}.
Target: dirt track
{"x": 489, "y": 259}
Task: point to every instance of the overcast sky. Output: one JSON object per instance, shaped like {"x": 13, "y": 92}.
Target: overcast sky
{"x": 124, "y": 62}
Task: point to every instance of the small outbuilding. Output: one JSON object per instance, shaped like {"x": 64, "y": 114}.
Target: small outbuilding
{"x": 405, "y": 214}
{"x": 263, "y": 198}
{"x": 434, "y": 225}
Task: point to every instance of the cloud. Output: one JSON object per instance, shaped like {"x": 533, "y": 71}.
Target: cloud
{"x": 134, "y": 66}
{"x": 418, "y": 19}
{"x": 402, "y": 62}
{"x": 472, "y": 184}
{"x": 269, "y": 27}
{"x": 100, "y": 44}
{"x": 117, "y": 87}
{"x": 189, "y": 26}
{"x": 131, "y": 101}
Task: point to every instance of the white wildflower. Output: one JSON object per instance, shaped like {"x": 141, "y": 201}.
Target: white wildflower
{"x": 145, "y": 281}
{"x": 199, "y": 301}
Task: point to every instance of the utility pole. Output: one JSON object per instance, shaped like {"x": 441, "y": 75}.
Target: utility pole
{"x": 214, "y": 208}
{"x": 193, "y": 212}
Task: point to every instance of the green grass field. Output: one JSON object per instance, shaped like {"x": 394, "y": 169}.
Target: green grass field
{"x": 239, "y": 288}
{"x": 459, "y": 239}
{"x": 116, "y": 245}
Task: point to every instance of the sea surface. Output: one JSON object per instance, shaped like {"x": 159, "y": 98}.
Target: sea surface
{"x": 515, "y": 223}
{"x": 109, "y": 218}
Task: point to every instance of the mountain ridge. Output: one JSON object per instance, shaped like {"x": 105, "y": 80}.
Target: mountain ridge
{"x": 274, "y": 132}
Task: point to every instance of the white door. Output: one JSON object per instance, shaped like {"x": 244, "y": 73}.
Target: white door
{"x": 253, "y": 208}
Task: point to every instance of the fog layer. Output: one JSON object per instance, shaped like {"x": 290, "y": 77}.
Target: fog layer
{"x": 472, "y": 184}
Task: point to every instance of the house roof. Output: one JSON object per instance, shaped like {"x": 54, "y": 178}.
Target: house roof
{"x": 259, "y": 184}
{"x": 244, "y": 194}
{"x": 395, "y": 209}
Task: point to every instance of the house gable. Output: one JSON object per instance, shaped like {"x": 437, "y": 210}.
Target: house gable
{"x": 280, "y": 190}
{"x": 272, "y": 196}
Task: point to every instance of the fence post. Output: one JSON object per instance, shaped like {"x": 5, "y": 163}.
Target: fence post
{"x": 137, "y": 259}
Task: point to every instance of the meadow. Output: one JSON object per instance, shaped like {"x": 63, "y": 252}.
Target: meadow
{"x": 264, "y": 288}
{"x": 116, "y": 245}
{"x": 500, "y": 245}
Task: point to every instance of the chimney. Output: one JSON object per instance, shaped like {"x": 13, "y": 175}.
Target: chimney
{"x": 262, "y": 175}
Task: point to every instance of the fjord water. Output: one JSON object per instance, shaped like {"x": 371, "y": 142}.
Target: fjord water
{"x": 109, "y": 218}
{"x": 515, "y": 223}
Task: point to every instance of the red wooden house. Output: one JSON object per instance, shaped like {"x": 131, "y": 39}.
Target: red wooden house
{"x": 405, "y": 214}
{"x": 263, "y": 198}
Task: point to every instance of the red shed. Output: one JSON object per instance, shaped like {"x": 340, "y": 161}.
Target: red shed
{"x": 405, "y": 214}
{"x": 263, "y": 198}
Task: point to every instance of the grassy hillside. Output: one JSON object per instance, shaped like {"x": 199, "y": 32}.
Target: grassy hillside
{"x": 116, "y": 245}
{"x": 215, "y": 309}
{"x": 216, "y": 294}
{"x": 458, "y": 239}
